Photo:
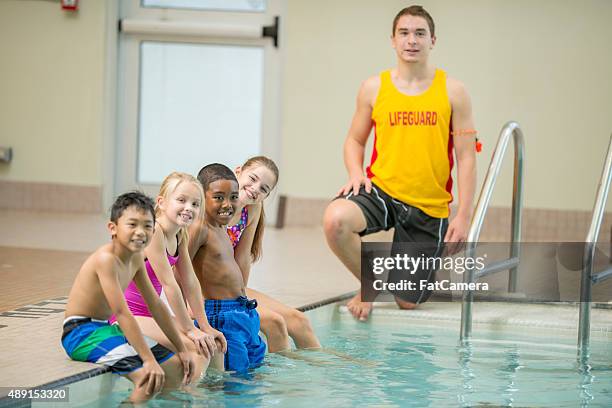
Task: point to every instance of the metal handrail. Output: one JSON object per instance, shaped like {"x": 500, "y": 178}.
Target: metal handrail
{"x": 588, "y": 279}
{"x": 510, "y": 128}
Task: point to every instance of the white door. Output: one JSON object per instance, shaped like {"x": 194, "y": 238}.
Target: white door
{"x": 198, "y": 83}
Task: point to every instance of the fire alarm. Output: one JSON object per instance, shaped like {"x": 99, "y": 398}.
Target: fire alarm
{"x": 72, "y": 5}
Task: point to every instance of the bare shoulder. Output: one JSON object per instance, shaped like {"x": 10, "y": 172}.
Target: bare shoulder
{"x": 371, "y": 83}
{"x": 103, "y": 259}
{"x": 203, "y": 233}
{"x": 457, "y": 92}
{"x": 198, "y": 235}
{"x": 369, "y": 89}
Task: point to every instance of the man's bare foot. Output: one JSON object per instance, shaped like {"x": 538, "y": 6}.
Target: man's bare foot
{"x": 404, "y": 304}
{"x": 360, "y": 310}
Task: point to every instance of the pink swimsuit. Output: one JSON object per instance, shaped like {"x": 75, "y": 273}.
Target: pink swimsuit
{"x": 134, "y": 299}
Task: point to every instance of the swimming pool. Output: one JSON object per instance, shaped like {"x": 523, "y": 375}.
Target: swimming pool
{"x": 403, "y": 361}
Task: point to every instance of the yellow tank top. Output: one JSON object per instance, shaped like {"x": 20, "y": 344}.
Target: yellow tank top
{"x": 413, "y": 153}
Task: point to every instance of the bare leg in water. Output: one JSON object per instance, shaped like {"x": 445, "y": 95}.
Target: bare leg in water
{"x": 342, "y": 222}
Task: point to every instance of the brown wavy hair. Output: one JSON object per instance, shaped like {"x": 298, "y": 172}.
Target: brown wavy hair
{"x": 256, "y": 248}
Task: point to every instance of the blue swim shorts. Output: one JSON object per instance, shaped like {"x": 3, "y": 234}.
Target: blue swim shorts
{"x": 239, "y": 322}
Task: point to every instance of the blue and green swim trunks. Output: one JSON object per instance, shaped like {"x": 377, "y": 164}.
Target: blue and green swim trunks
{"x": 238, "y": 320}
{"x": 96, "y": 341}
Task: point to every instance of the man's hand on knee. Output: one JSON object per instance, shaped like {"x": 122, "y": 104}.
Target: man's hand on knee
{"x": 355, "y": 184}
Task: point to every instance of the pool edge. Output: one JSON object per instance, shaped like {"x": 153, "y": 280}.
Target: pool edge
{"x": 6, "y": 401}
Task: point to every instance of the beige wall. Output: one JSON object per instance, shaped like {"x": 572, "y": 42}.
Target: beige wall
{"x": 543, "y": 63}
{"x": 538, "y": 62}
{"x": 52, "y": 82}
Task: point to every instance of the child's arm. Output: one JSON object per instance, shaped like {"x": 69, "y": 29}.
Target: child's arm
{"x": 242, "y": 252}
{"x": 193, "y": 295}
{"x": 156, "y": 254}
{"x": 108, "y": 275}
{"x": 162, "y": 317}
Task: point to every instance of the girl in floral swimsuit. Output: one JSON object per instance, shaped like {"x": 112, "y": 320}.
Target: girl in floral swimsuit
{"x": 256, "y": 178}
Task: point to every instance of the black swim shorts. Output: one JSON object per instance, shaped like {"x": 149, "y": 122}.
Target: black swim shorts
{"x": 415, "y": 233}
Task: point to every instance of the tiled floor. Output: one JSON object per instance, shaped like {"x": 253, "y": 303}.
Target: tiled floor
{"x": 61, "y": 231}
{"x": 36, "y": 274}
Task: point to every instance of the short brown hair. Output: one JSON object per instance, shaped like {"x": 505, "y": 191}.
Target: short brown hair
{"x": 417, "y": 11}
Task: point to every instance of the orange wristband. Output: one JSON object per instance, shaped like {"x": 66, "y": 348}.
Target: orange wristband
{"x": 462, "y": 132}
{"x": 465, "y": 132}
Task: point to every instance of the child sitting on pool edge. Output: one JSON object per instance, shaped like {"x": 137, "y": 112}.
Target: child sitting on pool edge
{"x": 221, "y": 280}
{"x": 178, "y": 204}
{"x": 97, "y": 293}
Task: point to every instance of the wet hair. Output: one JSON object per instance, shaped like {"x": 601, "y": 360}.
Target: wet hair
{"x": 169, "y": 185}
{"x": 417, "y": 11}
{"x": 136, "y": 199}
{"x": 256, "y": 247}
{"x": 215, "y": 172}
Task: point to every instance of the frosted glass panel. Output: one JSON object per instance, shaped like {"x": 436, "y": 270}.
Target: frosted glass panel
{"x": 198, "y": 104}
{"x": 234, "y": 5}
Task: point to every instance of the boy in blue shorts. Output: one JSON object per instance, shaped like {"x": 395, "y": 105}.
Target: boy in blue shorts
{"x": 97, "y": 293}
{"x": 221, "y": 280}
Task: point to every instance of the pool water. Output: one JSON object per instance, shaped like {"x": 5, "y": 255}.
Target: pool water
{"x": 394, "y": 361}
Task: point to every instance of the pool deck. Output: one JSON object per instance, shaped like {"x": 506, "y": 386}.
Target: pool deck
{"x": 41, "y": 253}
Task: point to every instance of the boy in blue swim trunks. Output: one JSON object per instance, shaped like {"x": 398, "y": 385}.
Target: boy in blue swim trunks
{"x": 221, "y": 280}
{"x": 97, "y": 293}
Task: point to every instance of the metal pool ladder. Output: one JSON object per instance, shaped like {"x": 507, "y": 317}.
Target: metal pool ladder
{"x": 588, "y": 279}
{"x": 510, "y": 128}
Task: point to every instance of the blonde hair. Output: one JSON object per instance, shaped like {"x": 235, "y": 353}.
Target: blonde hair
{"x": 256, "y": 247}
{"x": 168, "y": 186}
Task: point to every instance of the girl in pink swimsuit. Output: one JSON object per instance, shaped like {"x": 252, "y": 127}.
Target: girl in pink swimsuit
{"x": 171, "y": 272}
{"x": 256, "y": 178}
{"x": 133, "y": 297}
